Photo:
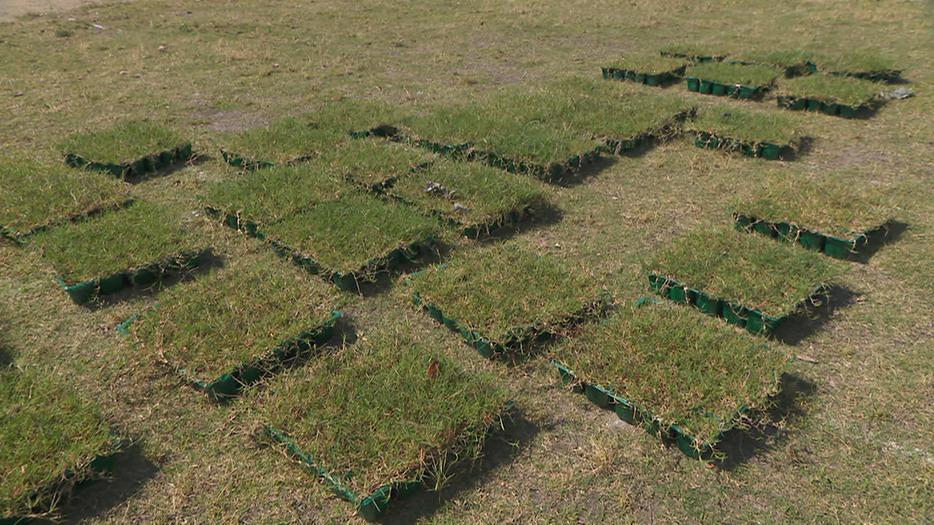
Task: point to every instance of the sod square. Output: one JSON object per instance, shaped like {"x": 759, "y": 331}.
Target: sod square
{"x": 52, "y": 439}
{"x": 375, "y": 165}
{"x": 118, "y": 249}
{"x": 503, "y": 298}
{"x": 798, "y": 209}
{"x": 239, "y": 323}
{"x": 37, "y": 195}
{"x": 653, "y": 69}
{"x": 381, "y": 417}
{"x": 732, "y": 78}
{"x": 351, "y": 238}
{"x": 863, "y": 64}
{"x": 795, "y": 62}
{"x": 829, "y": 90}
{"x": 282, "y": 141}
{"x": 129, "y": 149}
{"x": 674, "y": 371}
{"x": 475, "y": 198}
{"x": 749, "y": 276}
{"x": 754, "y": 133}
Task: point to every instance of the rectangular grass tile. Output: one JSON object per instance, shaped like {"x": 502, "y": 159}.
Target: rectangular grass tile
{"x": 829, "y": 94}
{"x": 732, "y": 79}
{"x": 795, "y": 62}
{"x": 122, "y": 248}
{"x": 350, "y": 239}
{"x": 504, "y": 298}
{"x": 754, "y": 133}
{"x": 282, "y": 141}
{"x": 239, "y": 323}
{"x": 130, "y": 149}
{"x": 475, "y": 198}
{"x": 681, "y": 375}
{"x": 746, "y": 274}
{"x": 861, "y": 64}
{"x": 375, "y": 165}
{"x": 52, "y": 439}
{"x": 380, "y": 418}
{"x": 815, "y": 212}
{"x": 653, "y": 70}
{"x": 37, "y": 195}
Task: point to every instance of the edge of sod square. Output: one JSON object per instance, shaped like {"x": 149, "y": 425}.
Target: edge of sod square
{"x": 20, "y": 237}
{"x": 380, "y": 187}
{"x": 649, "y": 79}
{"x": 137, "y": 168}
{"x": 233, "y": 220}
{"x": 241, "y": 161}
{"x": 829, "y": 245}
{"x": 754, "y": 321}
{"x": 630, "y": 413}
{"x": 480, "y": 229}
{"x": 89, "y": 291}
{"x": 621, "y": 146}
{"x": 693, "y": 57}
{"x": 750, "y": 148}
{"x": 709, "y": 87}
{"x": 826, "y": 107}
{"x": 889, "y": 76}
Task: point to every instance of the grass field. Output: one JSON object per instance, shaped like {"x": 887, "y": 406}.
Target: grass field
{"x": 851, "y": 440}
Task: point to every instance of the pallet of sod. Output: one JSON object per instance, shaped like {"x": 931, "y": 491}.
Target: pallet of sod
{"x": 382, "y": 418}
{"x": 476, "y": 199}
{"x": 795, "y": 62}
{"x": 683, "y": 377}
{"x": 52, "y": 440}
{"x": 130, "y": 150}
{"x": 694, "y": 53}
{"x": 238, "y": 324}
{"x": 825, "y": 215}
{"x": 864, "y": 65}
{"x": 731, "y": 79}
{"x": 136, "y": 246}
{"x": 746, "y": 280}
{"x": 829, "y": 94}
{"x": 504, "y": 299}
{"x": 38, "y": 195}
{"x": 652, "y": 70}
{"x": 753, "y": 133}
{"x": 619, "y": 119}
{"x": 349, "y": 240}
{"x": 493, "y": 132}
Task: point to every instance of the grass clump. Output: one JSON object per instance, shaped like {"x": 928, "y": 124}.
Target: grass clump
{"x": 486, "y": 196}
{"x": 270, "y": 194}
{"x": 503, "y": 291}
{"x": 284, "y": 140}
{"x": 649, "y": 64}
{"x": 684, "y": 368}
{"x": 386, "y": 410}
{"x": 829, "y": 206}
{"x": 123, "y": 143}
{"x": 735, "y": 74}
{"x": 771, "y": 277}
{"x": 46, "y": 431}
{"x": 234, "y": 315}
{"x": 37, "y": 194}
{"x": 831, "y": 88}
{"x": 351, "y": 234}
{"x": 748, "y": 125}
{"x": 117, "y": 241}
{"x": 375, "y": 164}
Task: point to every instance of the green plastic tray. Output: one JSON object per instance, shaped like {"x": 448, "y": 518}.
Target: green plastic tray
{"x": 825, "y": 107}
{"x": 244, "y": 162}
{"x": 709, "y": 87}
{"x": 135, "y": 169}
{"x": 836, "y": 247}
{"x": 761, "y": 149}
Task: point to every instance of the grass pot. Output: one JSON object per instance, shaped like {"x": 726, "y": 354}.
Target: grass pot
{"x": 733, "y": 313}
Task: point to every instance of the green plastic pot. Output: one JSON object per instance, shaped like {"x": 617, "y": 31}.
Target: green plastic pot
{"x": 718, "y": 89}
{"x": 770, "y": 151}
{"x": 693, "y": 84}
{"x": 113, "y": 283}
{"x": 811, "y": 241}
{"x": 626, "y": 412}
{"x": 743, "y": 222}
{"x": 761, "y": 324}
{"x": 449, "y": 323}
{"x": 344, "y": 281}
{"x": 681, "y": 294}
{"x": 847, "y": 111}
{"x": 140, "y": 167}
{"x": 733, "y": 313}
{"x": 814, "y": 105}
{"x": 654, "y": 80}
{"x": 837, "y": 247}
{"x": 146, "y": 276}
{"x": 640, "y": 78}
{"x": 607, "y": 73}
{"x": 829, "y": 108}
{"x": 658, "y": 283}
{"x": 705, "y": 303}
{"x": 706, "y": 87}
{"x": 597, "y": 396}
{"x": 765, "y": 228}
{"x": 434, "y": 312}
{"x": 746, "y": 92}
{"x": 82, "y": 292}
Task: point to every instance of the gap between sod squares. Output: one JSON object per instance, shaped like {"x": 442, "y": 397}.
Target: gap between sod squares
{"x": 474, "y": 198}
{"x": 826, "y": 215}
{"x": 684, "y": 378}
{"x": 136, "y": 246}
{"x": 652, "y": 70}
{"x": 239, "y": 324}
{"x": 830, "y": 95}
{"x": 38, "y": 195}
{"x": 52, "y": 440}
{"x": 380, "y": 419}
{"x": 750, "y": 282}
{"x": 130, "y": 150}
{"x": 350, "y": 239}
{"x": 731, "y": 79}
{"x": 753, "y": 133}
{"x": 504, "y": 299}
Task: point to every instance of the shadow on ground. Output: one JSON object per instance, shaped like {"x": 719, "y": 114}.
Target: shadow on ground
{"x": 806, "y": 323}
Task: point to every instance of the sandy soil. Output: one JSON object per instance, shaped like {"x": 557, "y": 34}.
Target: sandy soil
{"x": 10, "y": 9}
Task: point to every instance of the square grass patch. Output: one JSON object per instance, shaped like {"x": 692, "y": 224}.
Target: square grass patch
{"x": 830, "y": 94}
{"x": 731, "y": 78}
{"x": 37, "y": 195}
{"x": 381, "y": 418}
{"x": 270, "y": 194}
{"x": 52, "y": 439}
{"x": 348, "y": 240}
{"x": 504, "y": 298}
{"x": 237, "y": 324}
{"x": 375, "y": 165}
{"x": 865, "y": 65}
{"x": 679, "y": 374}
{"x": 475, "y": 198}
{"x": 826, "y": 215}
{"x": 283, "y": 141}
{"x": 740, "y": 277}
{"x": 118, "y": 249}
{"x": 129, "y": 149}
{"x": 653, "y": 70}
{"x": 754, "y": 133}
